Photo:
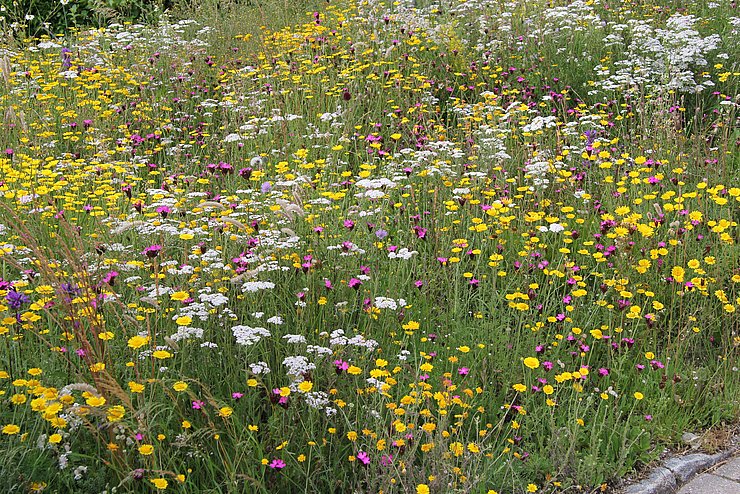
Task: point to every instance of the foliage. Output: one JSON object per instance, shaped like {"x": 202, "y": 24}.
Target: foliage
{"x": 25, "y": 18}
{"x": 365, "y": 246}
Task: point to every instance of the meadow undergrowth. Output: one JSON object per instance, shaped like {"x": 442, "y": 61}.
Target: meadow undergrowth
{"x": 469, "y": 246}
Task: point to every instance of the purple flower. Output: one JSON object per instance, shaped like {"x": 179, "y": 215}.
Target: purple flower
{"x": 66, "y": 58}
{"x": 590, "y": 135}
{"x": 277, "y": 464}
{"x": 16, "y": 299}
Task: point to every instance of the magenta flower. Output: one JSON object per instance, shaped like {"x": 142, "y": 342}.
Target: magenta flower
{"x": 363, "y": 457}
{"x": 277, "y": 464}
{"x": 164, "y": 211}
{"x": 110, "y": 277}
{"x": 197, "y": 405}
{"x": 354, "y": 283}
{"x": 340, "y": 366}
{"x": 152, "y": 251}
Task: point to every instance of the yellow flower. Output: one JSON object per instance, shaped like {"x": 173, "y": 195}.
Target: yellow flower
{"x": 180, "y": 296}
{"x": 354, "y": 370}
{"x": 180, "y": 386}
{"x": 184, "y": 320}
{"x": 225, "y": 411}
{"x": 35, "y": 371}
{"x": 520, "y": 388}
{"x": 11, "y": 429}
{"x": 429, "y": 427}
{"x": 638, "y": 395}
{"x": 135, "y": 387}
{"x": 678, "y": 273}
{"x": 301, "y": 458}
{"x": 422, "y": 489}
{"x": 161, "y": 354}
{"x": 159, "y": 483}
{"x": 137, "y": 341}
{"x": 95, "y": 401}
{"x": 18, "y": 399}
{"x": 457, "y": 448}
{"x": 97, "y": 367}
{"x": 116, "y": 413}
{"x": 305, "y": 386}
{"x": 531, "y": 488}
{"x": 55, "y": 438}
{"x": 548, "y": 390}
{"x": 531, "y": 362}
{"x": 352, "y": 436}
{"x": 146, "y": 449}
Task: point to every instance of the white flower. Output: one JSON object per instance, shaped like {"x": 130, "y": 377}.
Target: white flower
{"x": 403, "y": 253}
{"x": 253, "y": 286}
{"x": 294, "y": 338}
{"x": 246, "y": 335}
{"x": 297, "y": 365}
{"x": 259, "y": 368}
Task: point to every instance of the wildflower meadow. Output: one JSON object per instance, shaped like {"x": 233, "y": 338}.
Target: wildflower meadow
{"x": 345, "y": 246}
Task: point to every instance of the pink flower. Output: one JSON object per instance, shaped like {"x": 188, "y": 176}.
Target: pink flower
{"x": 197, "y": 405}
{"x": 277, "y": 464}
{"x": 152, "y": 251}
{"x": 363, "y": 457}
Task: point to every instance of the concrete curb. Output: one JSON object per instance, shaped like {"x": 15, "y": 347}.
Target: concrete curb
{"x": 667, "y": 478}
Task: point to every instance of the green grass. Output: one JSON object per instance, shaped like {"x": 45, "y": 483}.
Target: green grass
{"x": 566, "y": 311}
